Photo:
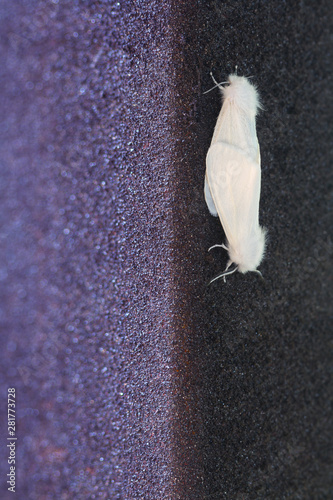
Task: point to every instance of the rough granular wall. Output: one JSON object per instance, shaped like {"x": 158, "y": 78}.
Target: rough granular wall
{"x": 135, "y": 380}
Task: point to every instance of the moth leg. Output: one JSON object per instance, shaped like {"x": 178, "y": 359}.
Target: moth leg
{"x": 218, "y": 246}
{"x": 225, "y": 273}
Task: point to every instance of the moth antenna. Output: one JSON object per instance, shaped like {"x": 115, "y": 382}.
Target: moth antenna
{"x": 225, "y": 273}
{"x": 236, "y": 68}
{"x": 216, "y": 84}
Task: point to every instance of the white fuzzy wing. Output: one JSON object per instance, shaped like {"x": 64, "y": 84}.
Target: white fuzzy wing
{"x": 209, "y": 200}
{"x": 233, "y": 179}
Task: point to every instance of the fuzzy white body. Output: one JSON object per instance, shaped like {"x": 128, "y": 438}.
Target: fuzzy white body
{"x": 233, "y": 174}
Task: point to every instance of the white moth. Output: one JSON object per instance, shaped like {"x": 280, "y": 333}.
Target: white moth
{"x": 233, "y": 176}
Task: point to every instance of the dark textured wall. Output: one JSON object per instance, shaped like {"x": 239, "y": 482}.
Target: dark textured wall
{"x": 133, "y": 379}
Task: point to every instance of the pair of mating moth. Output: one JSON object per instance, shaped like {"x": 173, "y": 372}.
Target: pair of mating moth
{"x": 233, "y": 176}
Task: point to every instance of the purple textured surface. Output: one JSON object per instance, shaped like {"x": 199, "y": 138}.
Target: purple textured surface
{"x": 133, "y": 379}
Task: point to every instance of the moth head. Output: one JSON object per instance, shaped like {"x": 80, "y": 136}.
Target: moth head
{"x": 249, "y": 252}
{"x": 242, "y": 94}
{"x": 245, "y": 256}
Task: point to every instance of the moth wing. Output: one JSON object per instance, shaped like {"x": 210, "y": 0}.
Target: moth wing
{"x": 234, "y": 180}
{"x": 209, "y": 200}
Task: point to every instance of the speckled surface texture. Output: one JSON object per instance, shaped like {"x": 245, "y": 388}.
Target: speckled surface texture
{"x": 133, "y": 379}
